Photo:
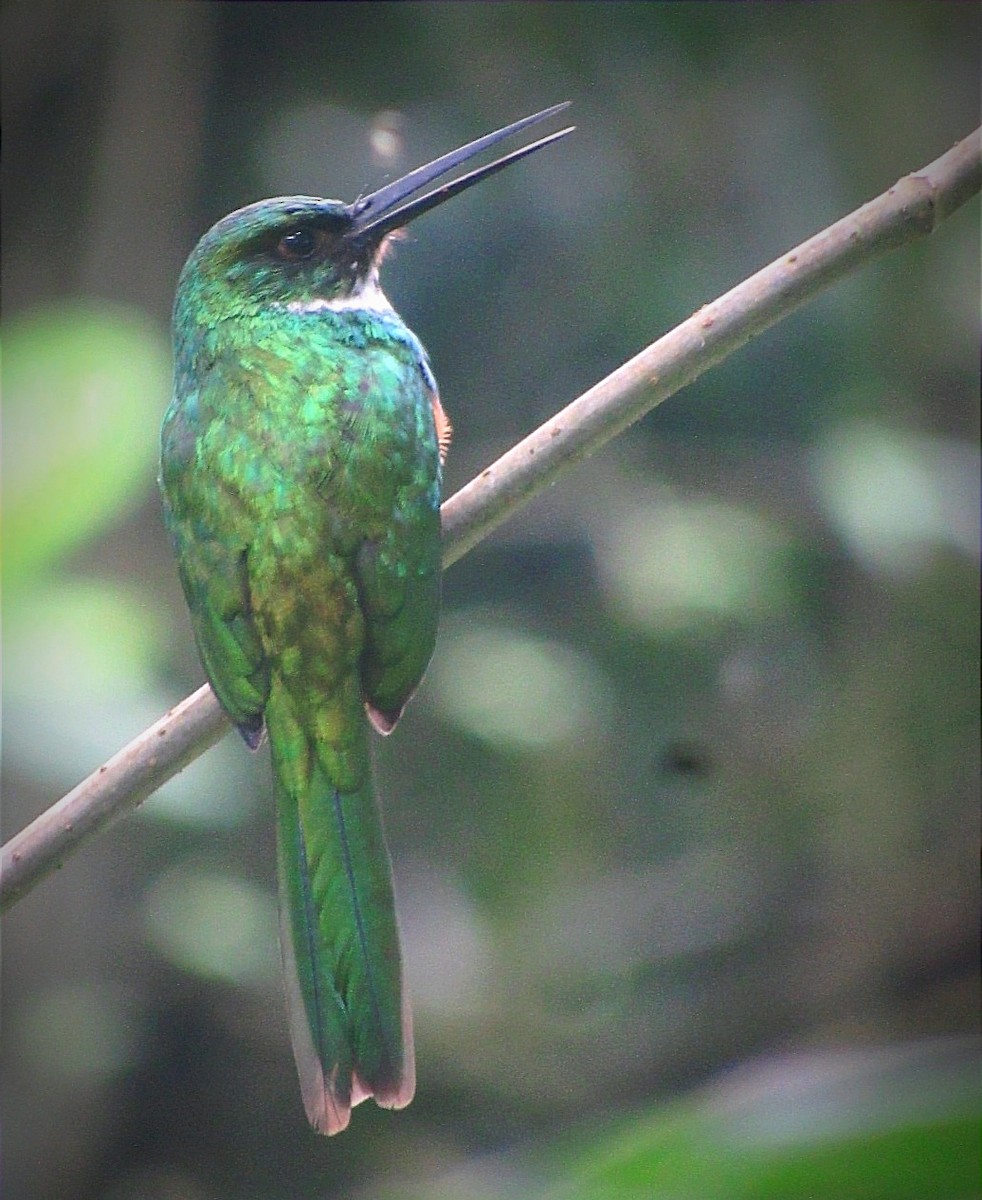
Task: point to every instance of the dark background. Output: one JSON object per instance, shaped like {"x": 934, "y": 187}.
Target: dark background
{"x": 693, "y": 778}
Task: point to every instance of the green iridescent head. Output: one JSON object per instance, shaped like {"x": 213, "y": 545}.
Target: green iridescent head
{"x": 279, "y": 250}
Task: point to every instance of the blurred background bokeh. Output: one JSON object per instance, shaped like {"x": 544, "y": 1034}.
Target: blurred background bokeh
{"x": 684, "y": 817}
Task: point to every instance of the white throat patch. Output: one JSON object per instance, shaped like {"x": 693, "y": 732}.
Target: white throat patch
{"x": 367, "y": 298}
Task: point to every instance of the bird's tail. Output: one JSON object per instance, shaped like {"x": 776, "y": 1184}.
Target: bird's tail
{"x": 349, "y": 1014}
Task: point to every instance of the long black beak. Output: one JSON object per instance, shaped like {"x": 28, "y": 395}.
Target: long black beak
{"x": 380, "y": 212}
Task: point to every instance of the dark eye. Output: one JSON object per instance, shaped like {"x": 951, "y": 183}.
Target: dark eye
{"x": 297, "y": 245}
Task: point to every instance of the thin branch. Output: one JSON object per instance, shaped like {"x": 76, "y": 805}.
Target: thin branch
{"x": 911, "y": 209}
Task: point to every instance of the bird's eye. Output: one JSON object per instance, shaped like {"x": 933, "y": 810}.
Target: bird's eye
{"x": 297, "y": 245}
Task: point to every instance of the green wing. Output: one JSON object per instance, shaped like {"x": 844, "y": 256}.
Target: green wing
{"x": 398, "y": 573}
{"x": 214, "y": 574}
{"x": 401, "y": 609}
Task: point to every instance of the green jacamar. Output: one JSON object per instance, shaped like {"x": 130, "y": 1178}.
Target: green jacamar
{"x": 301, "y": 470}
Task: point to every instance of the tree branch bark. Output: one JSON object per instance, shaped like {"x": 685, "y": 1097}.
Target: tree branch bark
{"x": 912, "y": 208}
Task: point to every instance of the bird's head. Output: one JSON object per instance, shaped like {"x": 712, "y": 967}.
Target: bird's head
{"x": 302, "y": 250}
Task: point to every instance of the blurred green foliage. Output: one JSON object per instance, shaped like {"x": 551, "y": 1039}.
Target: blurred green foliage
{"x": 83, "y": 385}
{"x": 898, "y": 1125}
{"x": 693, "y": 779}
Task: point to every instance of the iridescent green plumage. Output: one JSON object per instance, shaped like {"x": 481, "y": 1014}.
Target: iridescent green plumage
{"x": 301, "y": 469}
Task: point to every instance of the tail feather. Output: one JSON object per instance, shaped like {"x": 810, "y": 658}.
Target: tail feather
{"x": 349, "y": 1014}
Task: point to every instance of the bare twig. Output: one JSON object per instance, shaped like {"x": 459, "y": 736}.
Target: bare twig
{"x": 910, "y": 209}
{"x": 119, "y": 785}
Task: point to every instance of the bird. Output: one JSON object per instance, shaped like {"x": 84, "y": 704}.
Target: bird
{"x": 301, "y": 465}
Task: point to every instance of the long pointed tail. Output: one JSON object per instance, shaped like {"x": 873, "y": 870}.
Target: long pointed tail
{"x": 349, "y": 1014}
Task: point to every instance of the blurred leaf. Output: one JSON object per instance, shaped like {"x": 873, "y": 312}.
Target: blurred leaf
{"x": 85, "y": 1029}
{"x": 214, "y": 925}
{"x": 895, "y": 495}
{"x": 515, "y": 689}
{"x": 84, "y": 387}
{"x": 675, "y": 564}
{"x": 80, "y": 675}
{"x": 893, "y": 1124}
